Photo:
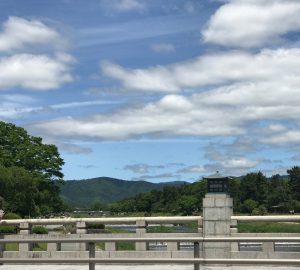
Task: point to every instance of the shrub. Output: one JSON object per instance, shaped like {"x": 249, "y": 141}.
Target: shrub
{"x": 39, "y": 230}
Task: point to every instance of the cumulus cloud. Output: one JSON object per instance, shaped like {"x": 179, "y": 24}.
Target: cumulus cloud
{"x": 19, "y": 33}
{"x": 280, "y": 65}
{"x": 36, "y": 72}
{"x": 252, "y": 23}
{"x": 28, "y": 70}
{"x": 172, "y": 115}
{"x": 262, "y": 88}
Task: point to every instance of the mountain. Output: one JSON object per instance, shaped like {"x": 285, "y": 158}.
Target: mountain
{"x": 84, "y": 193}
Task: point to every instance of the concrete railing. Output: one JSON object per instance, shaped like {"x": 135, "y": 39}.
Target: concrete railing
{"x": 141, "y": 225}
{"x": 91, "y": 260}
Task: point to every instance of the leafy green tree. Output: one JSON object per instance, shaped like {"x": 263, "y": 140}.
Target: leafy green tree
{"x": 18, "y": 148}
{"x": 254, "y": 186}
{"x": 29, "y": 172}
{"x": 294, "y": 176}
{"x": 249, "y": 205}
{"x": 188, "y": 204}
{"x": 278, "y": 194}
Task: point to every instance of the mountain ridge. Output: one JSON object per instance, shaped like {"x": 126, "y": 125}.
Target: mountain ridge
{"x": 86, "y": 192}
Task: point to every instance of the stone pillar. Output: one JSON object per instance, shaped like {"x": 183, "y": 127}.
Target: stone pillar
{"x": 81, "y": 229}
{"x": 217, "y": 212}
{"x": 25, "y": 229}
{"x": 141, "y": 230}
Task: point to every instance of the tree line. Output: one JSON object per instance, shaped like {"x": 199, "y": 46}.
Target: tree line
{"x": 253, "y": 194}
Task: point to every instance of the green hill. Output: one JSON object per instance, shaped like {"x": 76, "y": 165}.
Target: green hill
{"x": 84, "y": 193}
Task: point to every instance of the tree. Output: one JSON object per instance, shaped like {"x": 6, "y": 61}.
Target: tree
{"x": 254, "y": 186}
{"x": 278, "y": 194}
{"x": 29, "y": 172}
{"x": 18, "y": 148}
{"x": 294, "y": 176}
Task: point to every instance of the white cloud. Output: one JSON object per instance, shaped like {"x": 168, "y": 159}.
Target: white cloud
{"x": 15, "y": 105}
{"x": 240, "y": 163}
{"x": 284, "y": 138}
{"x": 35, "y": 72}
{"x": 252, "y": 23}
{"x": 142, "y": 168}
{"x": 163, "y": 47}
{"x": 193, "y": 169}
{"x": 267, "y": 66}
{"x": 19, "y": 33}
{"x": 123, "y": 5}
{"x": 264, "y": 87}
{"x": 30, "y": 70}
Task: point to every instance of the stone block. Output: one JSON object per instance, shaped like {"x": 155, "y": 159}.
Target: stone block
{"x": 223, "y": 202}
{"x": 209, "y": 202}
{"x": 209, "y": 228}
{"x": 222, "y": 228}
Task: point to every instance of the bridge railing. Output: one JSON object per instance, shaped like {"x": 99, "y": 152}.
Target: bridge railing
{"x": 141, "y": 225}
{"x": 196, "y": 260}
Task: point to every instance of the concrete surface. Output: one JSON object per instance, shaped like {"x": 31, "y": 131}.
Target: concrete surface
{"x": 140, "y": 267}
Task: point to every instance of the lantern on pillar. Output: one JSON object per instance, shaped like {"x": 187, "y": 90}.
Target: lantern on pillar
{"x": 217, "y": 183}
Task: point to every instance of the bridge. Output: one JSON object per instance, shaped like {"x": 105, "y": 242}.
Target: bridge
{"x": 216, "y": 241}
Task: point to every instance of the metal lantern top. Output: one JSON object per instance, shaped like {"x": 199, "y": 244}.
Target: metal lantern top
{"x": 217, "y": 183}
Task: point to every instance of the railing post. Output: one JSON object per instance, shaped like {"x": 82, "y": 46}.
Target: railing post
{"x": 25, "y": 229}
{"x": 51, "y": 247}
{"x": 200, "y": 231}
{"x": 110, "y": 246}
{"x": 81, "y": 229}
{"x": 196, "y": 255}
{"x": 234, "y": 230}
{"x": 2, "y": 248}
{"x": 92, "y": 253}
{"x": 268, "y": 248}
{"x": 141, "y": 229}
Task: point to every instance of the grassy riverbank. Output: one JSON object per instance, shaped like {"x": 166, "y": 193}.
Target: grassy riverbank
{"x": 268, "y": 227}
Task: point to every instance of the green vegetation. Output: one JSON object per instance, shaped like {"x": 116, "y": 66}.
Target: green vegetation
{"x": 253, "y": 194}
{"x": 39, "y": 230}
{"x": 95, "y": 193}
{"x": 268, "y": 227}
{"x": 29, "y": 173}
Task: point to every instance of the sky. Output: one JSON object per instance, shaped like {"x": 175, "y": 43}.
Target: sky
{"x": 155, "y": 90}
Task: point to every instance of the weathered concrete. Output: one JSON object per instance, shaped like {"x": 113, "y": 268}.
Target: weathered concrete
{"x": 141, "y": 267}
{"x": 217, "y": 212}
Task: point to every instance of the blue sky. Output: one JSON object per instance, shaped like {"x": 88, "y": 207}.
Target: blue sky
{"x": 155, "y": 90}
